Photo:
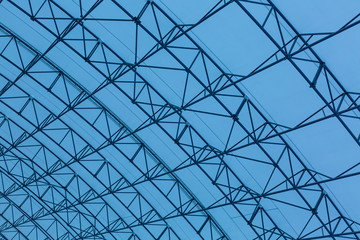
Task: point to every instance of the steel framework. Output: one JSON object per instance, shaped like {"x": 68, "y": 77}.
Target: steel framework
{"x": 73, "y": 167}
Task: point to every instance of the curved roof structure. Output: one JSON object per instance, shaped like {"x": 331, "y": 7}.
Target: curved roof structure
{"x": 223, "y": 119}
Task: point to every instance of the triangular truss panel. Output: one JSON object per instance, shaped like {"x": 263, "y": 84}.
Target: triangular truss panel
{"x": 178, "y": 120}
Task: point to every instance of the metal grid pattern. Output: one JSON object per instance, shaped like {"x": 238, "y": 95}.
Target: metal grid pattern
{"x": 73, "y": 168}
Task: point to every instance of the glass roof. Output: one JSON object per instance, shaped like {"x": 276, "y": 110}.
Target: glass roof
{"x": 230, "y": 119}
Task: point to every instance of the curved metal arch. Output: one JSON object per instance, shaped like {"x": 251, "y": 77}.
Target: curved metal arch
{"x": 42, "y": 177}
{"x": 73, "y": 157}
{"x": 48, "y": 49}
{"x": 36, "y": 224}
{"x": 80, "y": 202}
{"x": 229, "y": 111}
{"x": 313, "y": 82}
{"x": 36, "y": 59}
{"x": 249, "y": 220}
{"x": 236, "y": 120}
{"x": 30, "y": 194}
{"x": 227, "y": 196}
{"x": 272, "y": 193}
{"x": 272, "y": 160}
{"x": 235, "y": 79}
{"x": 38, "y": 103}
{"x": 111, "y": 193}
{"x": 22, "y": 139}
{"x": 72, "y": 106}
{"x": 103, "y": 194}
{"x": 304, "y": 45}
{"x": 255, "y": 140}
{"x": 3, "y": 232}
{"x": 177, "y": 110}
